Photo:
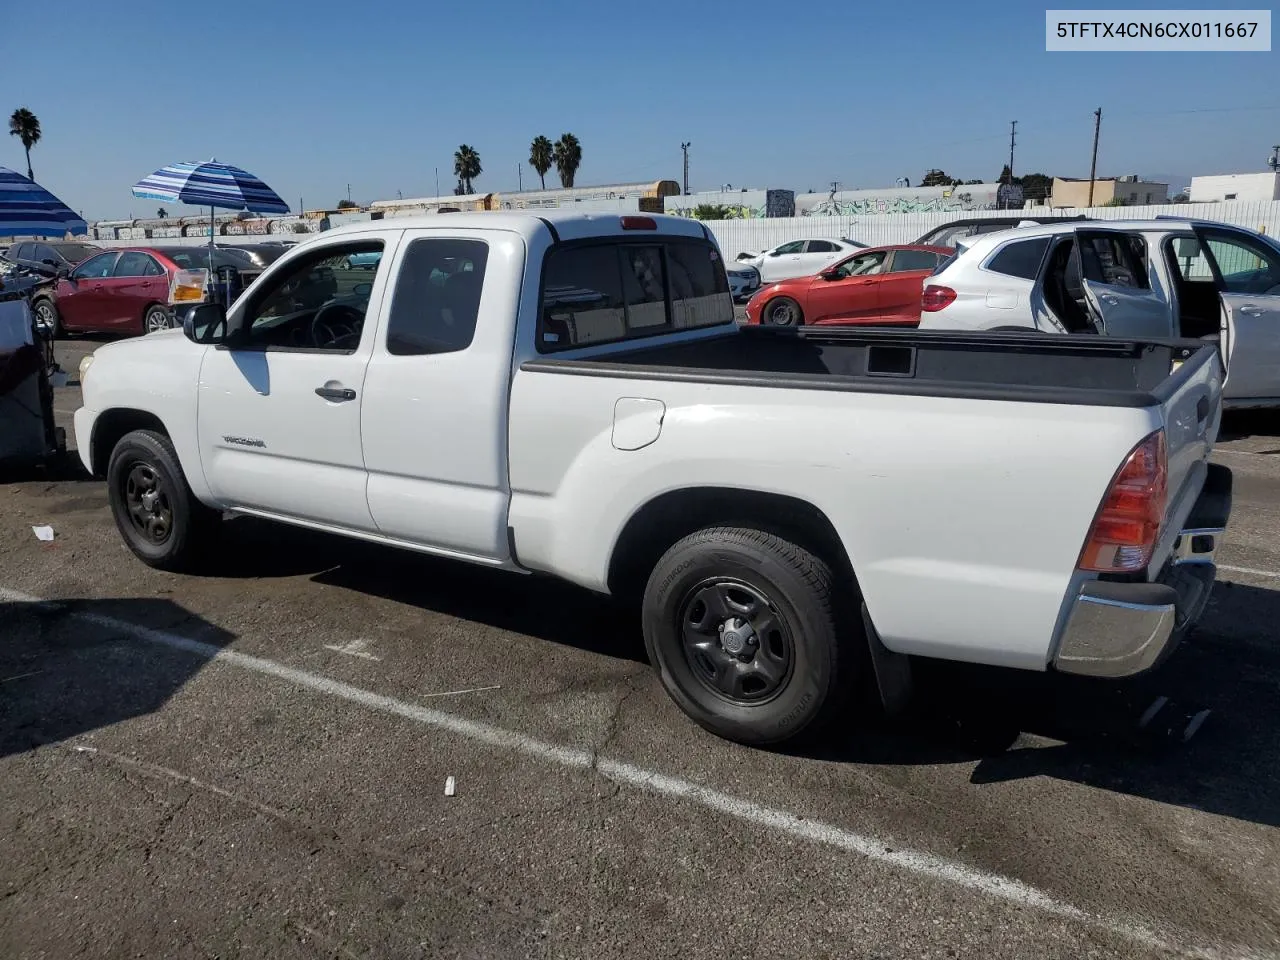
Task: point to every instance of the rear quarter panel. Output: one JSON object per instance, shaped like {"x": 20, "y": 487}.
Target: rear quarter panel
{"x": 963, "y": 519}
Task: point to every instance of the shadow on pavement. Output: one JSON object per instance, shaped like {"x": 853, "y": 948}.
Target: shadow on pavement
{"x": 62, "y": 674}
{"x": 1202, "y": 732}
{"x": 535, "y": 606}
{"x": 1250, "y": 423}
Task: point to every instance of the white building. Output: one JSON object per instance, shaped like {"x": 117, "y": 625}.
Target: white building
{"x": 1236, "y": 186}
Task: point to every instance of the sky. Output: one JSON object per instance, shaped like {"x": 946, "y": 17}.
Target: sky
{"x": 378, "y": 94}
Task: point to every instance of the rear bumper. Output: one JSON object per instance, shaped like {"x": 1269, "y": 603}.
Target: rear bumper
{"x": 1120, "y": 629}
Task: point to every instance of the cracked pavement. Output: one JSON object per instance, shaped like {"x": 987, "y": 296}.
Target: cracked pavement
{"x": 158, "y": 804}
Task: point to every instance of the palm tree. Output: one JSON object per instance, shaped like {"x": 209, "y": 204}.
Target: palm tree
{"x": 541, "y": 156}
{"x": 466, "y": 166}
{"x": 568, "y": 156}
{"x": 25, "y": 125}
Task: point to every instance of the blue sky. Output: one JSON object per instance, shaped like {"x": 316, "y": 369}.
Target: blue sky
{"x": 379, "y": 93}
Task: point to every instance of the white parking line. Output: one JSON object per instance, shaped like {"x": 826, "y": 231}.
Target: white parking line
{"x": 1251, "y": 571}
{"x": 927, "y": 865}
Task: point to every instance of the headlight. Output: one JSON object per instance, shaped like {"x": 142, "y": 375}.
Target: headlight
{"x": 84, "y": 367}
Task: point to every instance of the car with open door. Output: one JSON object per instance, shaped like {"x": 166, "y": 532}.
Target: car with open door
{"x": 1134, "y": 279}
{"x": 879, "y": 285}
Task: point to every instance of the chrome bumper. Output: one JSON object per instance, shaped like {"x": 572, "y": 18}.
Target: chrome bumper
{"x": 1119, "y": 629}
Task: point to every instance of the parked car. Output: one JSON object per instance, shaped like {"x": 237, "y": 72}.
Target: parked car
{"x": 1134, "y": 279}
{"x": 49, "y": 256}
{"x": 876, "y": 285}
{"x": 947, "y": 234}
{"x": 759, "y": 492}
{"x": 128, "y": 291}
{"x": 258, "y": 255}
{"x": 744, "y": 281}
{"x": 798, "y": 258}
{"x": 361, "y": 261}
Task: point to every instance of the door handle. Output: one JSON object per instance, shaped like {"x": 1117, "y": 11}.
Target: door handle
{"x": 1108, "y": 299}
{"x": 337, "y": 394}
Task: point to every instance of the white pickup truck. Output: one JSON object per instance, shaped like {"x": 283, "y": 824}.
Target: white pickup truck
{"x": 793, "y": 510}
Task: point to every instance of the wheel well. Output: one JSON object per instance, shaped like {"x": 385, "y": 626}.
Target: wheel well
{"x": 110, "y": 426}
{"x": 668, "y": 518}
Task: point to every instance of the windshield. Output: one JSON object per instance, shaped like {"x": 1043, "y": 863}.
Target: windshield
{"x": 75, "y": 252}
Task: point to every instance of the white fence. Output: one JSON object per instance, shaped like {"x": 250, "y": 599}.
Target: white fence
{"x": 737, "y": 236}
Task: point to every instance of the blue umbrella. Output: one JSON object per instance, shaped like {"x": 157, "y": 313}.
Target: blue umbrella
{"x": 29, "y": 210}
{"x": 211, "y": 185}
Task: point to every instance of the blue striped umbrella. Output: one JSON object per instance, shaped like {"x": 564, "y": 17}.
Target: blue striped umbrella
{"x": 29, "y": 210}
{"x": 210, "y": 184}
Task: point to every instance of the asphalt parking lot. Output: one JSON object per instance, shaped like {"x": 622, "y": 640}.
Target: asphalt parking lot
{"x": 252, "y": 763}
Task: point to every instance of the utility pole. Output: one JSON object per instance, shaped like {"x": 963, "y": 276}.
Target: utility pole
{"x": 835, "y": 186}
{"x": 520, "y": 176}
{"x": 685, "y": 147}
{"x": 1013, "y": 130}
{"x": 437, "y": 181}
{"x": 348, "y": 192}
{"x": 1093, "y": 164}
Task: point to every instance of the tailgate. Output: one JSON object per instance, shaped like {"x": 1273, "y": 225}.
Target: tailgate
{"x": 1192, "y": 413}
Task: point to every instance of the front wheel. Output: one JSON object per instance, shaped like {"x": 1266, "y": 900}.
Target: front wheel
{"x": 742, "y": 628}
{"x": 783, "y": 312}
{"x": 158, "y": 516}
{"x": 48, "y": 321}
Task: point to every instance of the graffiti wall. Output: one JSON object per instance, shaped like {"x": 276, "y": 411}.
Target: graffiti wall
{"x": 952, "y": 199}
{"x": 736, "y": 204}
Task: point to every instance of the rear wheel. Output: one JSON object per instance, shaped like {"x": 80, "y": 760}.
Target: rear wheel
{"x": 48, "y": 321}
{"x": 783, "y": 312}
{"x": 156, "y": 318}
{"x": 743, "y": 631}
{"x": 158, "y": 516}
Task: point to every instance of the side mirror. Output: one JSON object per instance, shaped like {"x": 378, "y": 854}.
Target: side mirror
{"x": 362, "y": 289}
{"x": 49, "y": 262}
{"x": 829, "y": 275}
{"x": 205, "y": 323}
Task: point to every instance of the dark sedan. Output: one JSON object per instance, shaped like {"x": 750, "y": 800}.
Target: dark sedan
{"x": 49, "y": 256}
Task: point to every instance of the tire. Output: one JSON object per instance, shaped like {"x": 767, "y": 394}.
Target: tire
{"x": 786, "y": 684}
{"x": 145, "y": 462}
{"x": 48, "y": 320}
{"x": 156, "y": 318}
{"x": 782, "y": 312}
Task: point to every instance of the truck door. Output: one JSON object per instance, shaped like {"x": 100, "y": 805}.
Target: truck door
{"x": 434, "y": 419}
{"x": 1246, "y": 271}
{"x": 1118, "y": 287}
{"x": 279, "y": 409}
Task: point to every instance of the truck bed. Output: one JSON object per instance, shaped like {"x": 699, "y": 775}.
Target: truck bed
{"x": 1098, "y": 371}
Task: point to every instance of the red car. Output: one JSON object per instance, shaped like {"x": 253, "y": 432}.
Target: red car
{"x": 127, "y": 291}
{"x": 880, "y": 285}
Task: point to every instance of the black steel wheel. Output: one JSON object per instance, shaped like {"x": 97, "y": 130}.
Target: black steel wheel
{"x": 158, "y": 516}
{"x": 743, "y": 631}
{"x": 783, "y": 312}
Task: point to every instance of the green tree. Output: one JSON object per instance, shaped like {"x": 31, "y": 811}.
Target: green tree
{"x": 1116, "y": 202}
{"x": 710, "y": 211}
{"x": 1036, "y": 186}
{"x": 466, "y": 166}
{"x": 936, "y": 178}
{"x": 25, "y": 125}
{"x": 345, "y": 204}
{"x": 1180, "y": 198}
{"x": 567, "y": 156}
{"x": 541, "y": 157}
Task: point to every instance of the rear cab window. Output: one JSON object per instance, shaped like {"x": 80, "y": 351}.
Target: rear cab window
{"x": 606, "y": 291}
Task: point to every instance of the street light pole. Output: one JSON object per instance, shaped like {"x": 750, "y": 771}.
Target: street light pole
{"x": 685, "y": 147}
{"x": 1093, "y": 164}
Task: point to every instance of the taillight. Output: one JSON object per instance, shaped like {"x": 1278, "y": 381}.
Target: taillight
{"x": 639, "y": 223}
{"x": 936, "y": 297}
{"x": 1127, "y": 526}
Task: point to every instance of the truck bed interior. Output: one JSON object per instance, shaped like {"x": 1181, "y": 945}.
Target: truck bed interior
{"x": 1037, "y": 367}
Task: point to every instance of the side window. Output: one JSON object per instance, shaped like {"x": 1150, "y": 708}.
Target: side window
{"x": 795, "y": 246}
{"x": 315, "y": 304}
{"x": 1245, "y": 265}
{"x": 44, "y": 252}
{"x": 95, "y": 268}
{"x": 616, "y": 291}
{"x": 1189, "y": 258}
{"x": 905, "y": 260}
{"x": 1110, "y": 258}
{"x": 1020, "y": 258}
{"x": 821, "y": 246}
{"x": 437, "y": 297}
{"x": 135, "y": 264}
{"x": 864, "y": 265}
